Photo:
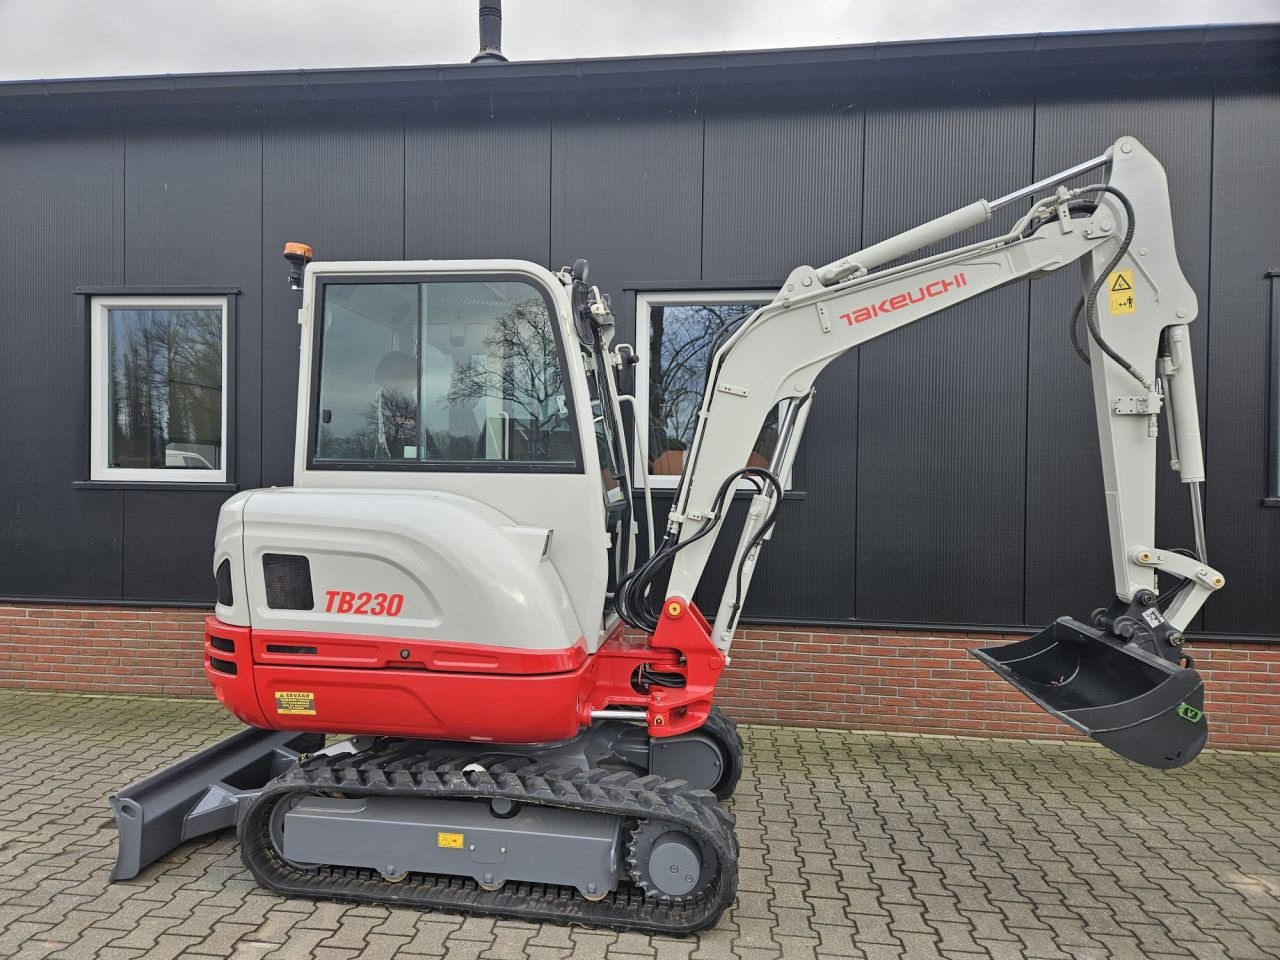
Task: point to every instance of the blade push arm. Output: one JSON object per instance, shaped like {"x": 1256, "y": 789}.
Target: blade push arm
{"x": 1120, "y": 230}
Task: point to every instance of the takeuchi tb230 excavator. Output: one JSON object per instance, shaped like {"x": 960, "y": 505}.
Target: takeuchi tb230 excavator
{"x": 449, "y": 579}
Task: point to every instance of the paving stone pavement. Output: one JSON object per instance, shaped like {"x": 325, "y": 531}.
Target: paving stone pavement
{"x": 853, "y": 845}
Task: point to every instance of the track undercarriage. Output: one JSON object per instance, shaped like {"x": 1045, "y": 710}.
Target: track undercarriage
{"x": 600, "y": 830}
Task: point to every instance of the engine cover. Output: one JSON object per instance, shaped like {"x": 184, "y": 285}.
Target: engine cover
{"x": 429, "y": 566}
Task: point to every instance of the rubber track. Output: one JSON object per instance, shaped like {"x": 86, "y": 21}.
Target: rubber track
{"x": 722, "y": 727}
{"x": 395, "y": 770}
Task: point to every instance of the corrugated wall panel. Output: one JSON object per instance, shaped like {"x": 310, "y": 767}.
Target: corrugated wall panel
{"x": 942, "y": 404}
{"x": 338, "y": 186}
{"x": 1244, "y": 537}
{"x": 1068, "y": 559}
{"x": 479, "y": 188}
{"x": 626, "y": 193}
{"x": 193, "y": 208}
{"x": 168, "y": 537}
{"x": 784, "y": 189}
{"x": 933, "y": 497}
{"x": 61, "y": 223}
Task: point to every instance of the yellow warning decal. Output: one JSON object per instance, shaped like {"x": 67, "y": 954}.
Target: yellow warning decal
{"x": 1120, "y": 292}
{"x": 450, "y": 841}
{"x": 295, "y": 702}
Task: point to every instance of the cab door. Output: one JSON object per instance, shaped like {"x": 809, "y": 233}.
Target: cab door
{"x": 460, "y": 377}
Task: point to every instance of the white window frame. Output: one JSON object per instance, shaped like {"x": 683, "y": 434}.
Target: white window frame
{"x": 100, "y": 385}
{"x": 645, "y": 302}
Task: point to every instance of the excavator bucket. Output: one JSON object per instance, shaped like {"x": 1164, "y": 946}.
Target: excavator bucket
{"x": 1131, "y": 701}
{"x": 199, "y": 794}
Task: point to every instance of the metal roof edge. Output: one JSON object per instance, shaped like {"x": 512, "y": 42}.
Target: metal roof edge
{"x": 1204, "y": 44}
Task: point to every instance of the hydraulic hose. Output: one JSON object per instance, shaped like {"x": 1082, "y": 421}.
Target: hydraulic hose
{"x": 1076, "y": 345}
{"x": 1091, "y": 302}
{"x": 632, "y": 600}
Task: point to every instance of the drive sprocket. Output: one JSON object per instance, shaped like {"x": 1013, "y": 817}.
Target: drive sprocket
{"x": 669, "y": 864}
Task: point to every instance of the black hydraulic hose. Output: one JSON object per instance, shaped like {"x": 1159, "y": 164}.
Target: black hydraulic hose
{"x": 1076, "y": 345}
{"x": 756, "y": 540}
{"x": 632, "y": 601}
{"x": 1091, "y": 303}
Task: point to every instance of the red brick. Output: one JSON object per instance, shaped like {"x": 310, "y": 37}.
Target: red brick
{"x": 856, "y": 678}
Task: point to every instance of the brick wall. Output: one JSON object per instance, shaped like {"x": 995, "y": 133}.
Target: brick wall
{"x": 860, "y": 679}
{"x": 103, "y": 649}
{"x": 902, "y": 680}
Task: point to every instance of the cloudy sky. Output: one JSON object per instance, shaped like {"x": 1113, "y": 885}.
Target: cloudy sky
{"x": 80, "y": 38}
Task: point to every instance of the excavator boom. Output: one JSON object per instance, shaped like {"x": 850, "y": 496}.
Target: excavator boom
{"x": 1122, "y": 678}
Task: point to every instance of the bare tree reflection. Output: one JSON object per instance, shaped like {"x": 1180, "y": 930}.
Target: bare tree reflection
{"x": 166, "y": 387}
{"x": 522, "y": 370}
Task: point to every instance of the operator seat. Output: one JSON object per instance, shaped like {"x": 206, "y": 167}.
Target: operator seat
{"x": 397, "y": 371}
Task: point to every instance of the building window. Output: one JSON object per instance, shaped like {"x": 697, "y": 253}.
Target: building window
{"x": 159, "y": 375}
{"x": 681, "y": 330}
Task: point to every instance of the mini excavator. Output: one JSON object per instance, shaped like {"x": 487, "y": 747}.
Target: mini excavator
{"x": 450, "y": 578}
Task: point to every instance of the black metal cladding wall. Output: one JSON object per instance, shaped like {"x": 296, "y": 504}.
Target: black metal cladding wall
{"x": 950, "y": 472}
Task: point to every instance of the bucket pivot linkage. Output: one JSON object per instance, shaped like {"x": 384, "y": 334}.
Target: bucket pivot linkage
{"x": 1124, "y": 681}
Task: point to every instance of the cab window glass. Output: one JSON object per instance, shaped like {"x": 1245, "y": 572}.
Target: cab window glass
{"x": 610, "y": 473}
{"x": 440, "y": 372}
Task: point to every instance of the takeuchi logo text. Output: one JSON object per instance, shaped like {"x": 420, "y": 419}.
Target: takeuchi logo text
{"x": 897, "y": 301}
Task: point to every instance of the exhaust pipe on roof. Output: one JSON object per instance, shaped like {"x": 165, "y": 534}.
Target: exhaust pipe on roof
{"x": 490, "y": 33}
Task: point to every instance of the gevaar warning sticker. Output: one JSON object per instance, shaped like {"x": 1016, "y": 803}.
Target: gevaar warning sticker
{"x": 1120, "y": 292}
{"x": 295, "y": 702}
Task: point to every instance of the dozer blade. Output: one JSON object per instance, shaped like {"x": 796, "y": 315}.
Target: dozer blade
{"x": 1143, "y": 707}
{"x": 199, "y": 794}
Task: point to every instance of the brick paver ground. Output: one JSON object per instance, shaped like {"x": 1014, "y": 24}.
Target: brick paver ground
{"x": 853, "y": 845}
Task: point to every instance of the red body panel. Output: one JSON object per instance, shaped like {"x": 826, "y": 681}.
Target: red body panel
{"x": 445, "y": 691}
{"x": 350, "y": 650}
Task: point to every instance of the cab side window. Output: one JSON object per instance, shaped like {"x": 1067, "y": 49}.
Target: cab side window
{"x": 441, "y": 372}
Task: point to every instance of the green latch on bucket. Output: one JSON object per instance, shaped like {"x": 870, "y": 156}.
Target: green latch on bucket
{"x": 1187, "y": 712}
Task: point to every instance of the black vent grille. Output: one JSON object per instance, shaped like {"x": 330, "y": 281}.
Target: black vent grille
{"x": 223, "y": 578}
{"x": 288, "y": 579}
{"x": 222, "y": 644}
{"x": 223, "y": 666}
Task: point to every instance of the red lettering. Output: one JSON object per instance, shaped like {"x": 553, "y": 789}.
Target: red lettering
{"x": 364, "y": 604}
{"x": 935, "y": 288}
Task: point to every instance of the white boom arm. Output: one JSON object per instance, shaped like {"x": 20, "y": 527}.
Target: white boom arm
{"x": 1120, "y": 229}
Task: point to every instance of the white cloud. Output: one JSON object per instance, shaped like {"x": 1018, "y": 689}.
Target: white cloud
{"x": 79, "y": 38}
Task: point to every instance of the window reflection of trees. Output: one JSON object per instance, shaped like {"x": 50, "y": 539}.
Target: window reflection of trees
{"x": 390, "y": 425}
{"x": 514, "y": 387}
{"x": 166, "y": 388}
{"x": 521, "y": 369}
{"x": 680, "y": 341}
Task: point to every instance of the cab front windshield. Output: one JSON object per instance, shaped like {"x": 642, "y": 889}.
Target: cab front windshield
{"x": 440, "y": 372}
